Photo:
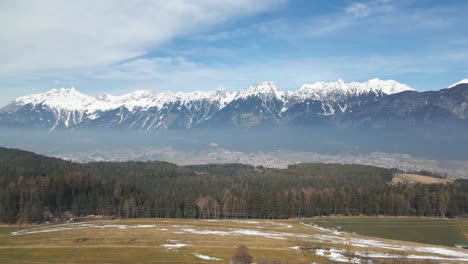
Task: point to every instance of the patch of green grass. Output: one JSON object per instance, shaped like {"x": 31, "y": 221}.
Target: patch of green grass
{"x": 446, "y": 232}
{"x": 6, "y": 230}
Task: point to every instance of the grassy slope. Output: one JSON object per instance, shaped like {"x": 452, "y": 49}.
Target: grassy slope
{"x": 144, "y": 245}
{"x": 139, "y": 245}
{"x": 447, "y": 232}
{"x": 408, "y": 178}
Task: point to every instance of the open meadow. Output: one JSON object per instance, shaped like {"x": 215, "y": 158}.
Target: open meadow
{"x": 445, "y": 232}
{"x": 416, "y": 178}
{"x": 206, "y": 241}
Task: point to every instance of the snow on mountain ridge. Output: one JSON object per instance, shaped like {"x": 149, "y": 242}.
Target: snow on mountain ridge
{"x": 147, "y": 109}
{"x": 387, "y": 86}
{"x": 460, "y": 82}
{"x": 63, "y": 99}
{"x": 266, "y": 89}
{"x": 329, "y": 90}
{"x": 70, "y": 99}
{"x": 223, "y": 96}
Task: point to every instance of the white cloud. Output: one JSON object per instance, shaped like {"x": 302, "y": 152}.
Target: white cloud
{"x": 372, "y": 20}
{"x": 364, "y": 9}
{"x": 373, "y": 15}
{"x": 358, "y": 9}
{"x": 57, "y": 35}
{"x": 181, "y": 74}
{"x": 99, "y": 46}
{"x": 178, "y": 73}
{"x": 145, "y": 68}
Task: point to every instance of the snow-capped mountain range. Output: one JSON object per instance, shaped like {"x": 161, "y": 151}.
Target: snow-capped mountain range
{"x": 261, "y": 104}
{"x": 72, "y": 100}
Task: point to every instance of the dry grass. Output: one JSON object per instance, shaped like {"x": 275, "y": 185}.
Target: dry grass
{"x": 145, "y": 245}
{"x": 416, "y": 178}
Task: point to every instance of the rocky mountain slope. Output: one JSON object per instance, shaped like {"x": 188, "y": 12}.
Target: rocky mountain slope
{"x": 372, "y": 103}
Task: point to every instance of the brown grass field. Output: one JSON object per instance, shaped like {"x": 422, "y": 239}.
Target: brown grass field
{"x": 416, "y": 178}
{"x": 203, "y": 241}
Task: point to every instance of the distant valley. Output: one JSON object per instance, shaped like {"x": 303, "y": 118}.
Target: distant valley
{"x": 378, "y": 122}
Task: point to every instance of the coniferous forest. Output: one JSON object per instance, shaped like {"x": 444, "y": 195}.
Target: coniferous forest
{"x": 31, "y": 185}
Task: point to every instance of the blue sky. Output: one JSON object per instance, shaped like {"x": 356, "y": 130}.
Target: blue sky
{"x": 117, "y": 47}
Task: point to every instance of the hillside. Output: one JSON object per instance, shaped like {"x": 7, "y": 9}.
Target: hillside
{"x": 416, "y": 178}
{"x": 35, "y": 188}
{"x": 375, "y": 103}
{"x": 215, "y": 241}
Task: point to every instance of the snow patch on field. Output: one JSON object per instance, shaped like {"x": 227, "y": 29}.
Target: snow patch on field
{"x": 279, "y": 224}
{"x": 334, "y": 255}
{"x": 244, "y": 232}
{"x": 334, "y": 231}
{"x": 357, "y": 257}
{"x": 451, "y": 254}
{"x": 74, "y": 226}
{"x": 32, "y": 231}
{"x": 247, "y": 222}
{"x": 121, "y": 226}
{"x": 335, "y": 237}
{"x": 205, "y": 257}
{"x": 174, "y": 246}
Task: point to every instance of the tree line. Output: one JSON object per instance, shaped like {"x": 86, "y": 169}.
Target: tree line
{"x": 34, "y": 188}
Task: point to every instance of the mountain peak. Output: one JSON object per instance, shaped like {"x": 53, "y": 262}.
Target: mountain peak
{"x": 387, "y": 86}
{"x": 322, "y": 90}
{"x": 72, "y": 100}
{"x": 262, "y": 103}
{"x": 460, "y": 82}
{"x": 263, "y": 89}
{"x": 61, "y": 98}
